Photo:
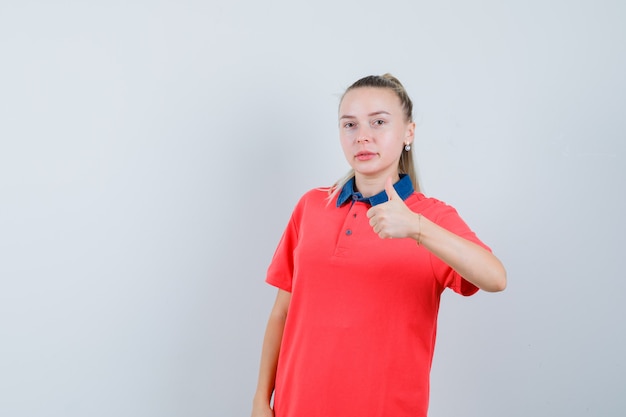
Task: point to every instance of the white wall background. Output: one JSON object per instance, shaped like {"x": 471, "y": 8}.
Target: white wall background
{"x": 151, "y": 153}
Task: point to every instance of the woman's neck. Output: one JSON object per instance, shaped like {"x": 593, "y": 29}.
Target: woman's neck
{"x": 369, "y": 186}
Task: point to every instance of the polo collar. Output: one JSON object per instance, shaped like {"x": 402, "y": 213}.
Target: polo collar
{"x": 404, "y": 188}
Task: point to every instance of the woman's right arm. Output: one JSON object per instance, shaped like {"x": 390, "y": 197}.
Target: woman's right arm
{"x": 269, "y": 356}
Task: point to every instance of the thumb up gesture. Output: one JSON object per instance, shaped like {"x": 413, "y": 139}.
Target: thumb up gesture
{"x": 393, "y": 219}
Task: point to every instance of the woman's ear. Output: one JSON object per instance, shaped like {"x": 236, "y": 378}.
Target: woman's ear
{"x": 409, "y": 136}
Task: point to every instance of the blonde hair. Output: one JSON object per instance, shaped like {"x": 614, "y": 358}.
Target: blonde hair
{"x": 406, "y": 165}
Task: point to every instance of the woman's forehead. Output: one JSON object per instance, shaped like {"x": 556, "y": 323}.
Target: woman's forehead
{"x": 370, "y": 99}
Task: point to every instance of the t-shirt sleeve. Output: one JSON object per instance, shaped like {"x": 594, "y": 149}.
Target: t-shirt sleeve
{"x": 281, "y": 269}
{"x": 449, "y": 219}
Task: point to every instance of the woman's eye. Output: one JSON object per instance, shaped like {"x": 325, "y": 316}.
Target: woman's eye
{"x": 379, "y": 122}
{"x": 348, "y": 125}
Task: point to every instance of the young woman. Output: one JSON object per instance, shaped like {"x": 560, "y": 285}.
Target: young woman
{"x": 360, "y": 270}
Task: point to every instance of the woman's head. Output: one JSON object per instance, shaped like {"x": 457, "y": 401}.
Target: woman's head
{"x": 390, "y": 82}
{"x": 376, "y": 115}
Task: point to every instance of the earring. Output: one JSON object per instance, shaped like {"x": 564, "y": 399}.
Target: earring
{"x": 407, "y": 147}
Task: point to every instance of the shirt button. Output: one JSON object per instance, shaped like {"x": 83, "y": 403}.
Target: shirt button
{"x": 348, "y": 232}
{"x": 355, "y": 197}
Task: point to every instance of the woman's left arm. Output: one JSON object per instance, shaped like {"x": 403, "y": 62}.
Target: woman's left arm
{"x": 476, "y": 264}
{"x": 473, "y": 262}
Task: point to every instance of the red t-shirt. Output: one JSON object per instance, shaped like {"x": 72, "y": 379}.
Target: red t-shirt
{"x": 361, "y": 326}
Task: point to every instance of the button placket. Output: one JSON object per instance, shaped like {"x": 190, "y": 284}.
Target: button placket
{"x": 351, "y": 218}
{"x": 346, "y": 234}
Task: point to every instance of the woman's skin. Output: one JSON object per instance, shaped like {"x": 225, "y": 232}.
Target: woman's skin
{"x": 269, "y": 356}
{"x": 373, "y": 131}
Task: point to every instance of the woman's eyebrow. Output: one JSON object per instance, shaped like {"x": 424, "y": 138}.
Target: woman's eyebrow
{"x": 376, "y": 113}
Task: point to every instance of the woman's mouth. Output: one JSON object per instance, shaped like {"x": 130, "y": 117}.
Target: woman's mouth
{"x": 365, "y": 156}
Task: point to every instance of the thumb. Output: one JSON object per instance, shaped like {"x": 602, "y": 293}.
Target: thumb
{"x": 392, "y": 194}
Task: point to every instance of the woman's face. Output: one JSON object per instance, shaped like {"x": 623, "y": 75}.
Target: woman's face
{"x": 373, "y": 131}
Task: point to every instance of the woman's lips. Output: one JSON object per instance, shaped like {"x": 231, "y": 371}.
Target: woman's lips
{"x": 365, "y": 156}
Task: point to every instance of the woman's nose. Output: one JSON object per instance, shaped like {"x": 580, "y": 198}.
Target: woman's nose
{"x": 363, "y": 136}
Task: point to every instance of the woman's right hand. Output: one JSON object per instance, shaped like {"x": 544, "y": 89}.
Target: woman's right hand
{"x": 262, "y": 411}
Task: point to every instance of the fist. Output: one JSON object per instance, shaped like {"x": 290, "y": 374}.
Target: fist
{"x": 392, "y": 219}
